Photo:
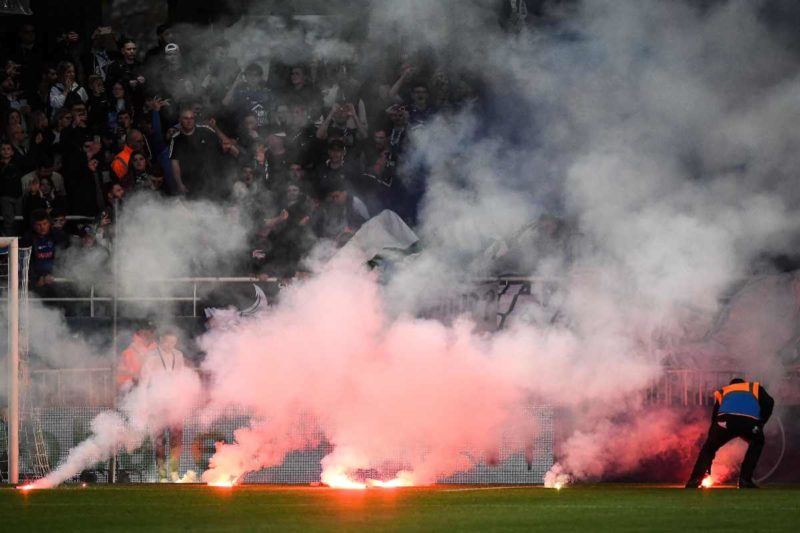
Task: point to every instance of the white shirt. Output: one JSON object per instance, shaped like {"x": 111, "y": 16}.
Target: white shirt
{"x": 159, "y": 360}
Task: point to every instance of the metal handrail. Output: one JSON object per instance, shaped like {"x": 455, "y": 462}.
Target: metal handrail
{"x": 96, "y": 297}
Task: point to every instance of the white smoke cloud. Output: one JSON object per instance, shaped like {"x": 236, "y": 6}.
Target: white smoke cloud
{"x": 164, "y": 400}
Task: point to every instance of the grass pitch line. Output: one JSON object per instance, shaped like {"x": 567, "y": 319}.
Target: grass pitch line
{"x": 505, "y": 487}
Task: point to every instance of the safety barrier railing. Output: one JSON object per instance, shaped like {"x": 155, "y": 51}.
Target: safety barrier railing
{"x": 90, "y": 387}
{"x": 101, "y": 293}
{"x": 688, "y": 387}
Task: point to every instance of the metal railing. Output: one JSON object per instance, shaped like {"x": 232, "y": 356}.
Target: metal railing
{"x": 86, "y": 387}
{"x": 96, "y": 295}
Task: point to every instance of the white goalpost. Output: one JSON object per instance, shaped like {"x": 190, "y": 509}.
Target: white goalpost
{"x": 12, "y": 245}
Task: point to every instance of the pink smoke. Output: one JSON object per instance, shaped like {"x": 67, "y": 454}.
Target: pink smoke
{"x": 384, "y": 388}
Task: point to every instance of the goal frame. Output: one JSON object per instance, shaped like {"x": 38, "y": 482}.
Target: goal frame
{"x": 12, "y": 243}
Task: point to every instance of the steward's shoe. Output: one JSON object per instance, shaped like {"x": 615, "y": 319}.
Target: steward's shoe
{"x": 747, "y": 484}
{"x": 692, "y": 484}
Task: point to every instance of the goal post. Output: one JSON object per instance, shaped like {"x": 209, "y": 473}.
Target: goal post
{"x": 11, "y": 246}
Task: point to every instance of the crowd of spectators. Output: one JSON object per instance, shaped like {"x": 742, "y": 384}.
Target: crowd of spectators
{"x": 296, "y": 151}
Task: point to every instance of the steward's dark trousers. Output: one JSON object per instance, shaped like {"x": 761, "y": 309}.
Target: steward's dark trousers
{"x": 736, "y": 426}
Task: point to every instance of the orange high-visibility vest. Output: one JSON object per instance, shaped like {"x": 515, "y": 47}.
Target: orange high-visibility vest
{"x": 120, "y": 163}
{"x": 739, "y": 399}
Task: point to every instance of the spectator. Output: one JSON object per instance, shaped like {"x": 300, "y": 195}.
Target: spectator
{"x": 194, "y": 152}
{"x": 72, "y": 137}
{"x": 420, "y": 110}
{"x": 343, "y": 123}
{"x": 135, "y": 142}
{"x": 66, "y": 89}
{"x": 336, "y": 168}
{"x": 58, "y": 219}
{"x": 157, "y": 181}
{"x": 83, "y": 180}
{"x": 398, "y": 135}
{"x": 15, "y": 119}
{"x": 98, "y": 59}
{"x": 69, "y": 48}
{"x": 62, "y": 121}
{"x": 340, "y": 215}
{"x": 15, "y": 98}
{"x": 278, "y": 160}
{"x": 302, "y": 139}
{"x": 45, "y": 169}
{"x": 248, "y": 94}
{"x": 48, "y": 79}
{"x": 41, "y": 137}
{"x": 175, "y": 80}
{"x": 124, "y": 124}
{"x": 10, "y": 188}
{"x": 156, "y": 53}
{"x": 8, "y": 95}
{"x": 99, "y": 103}
{"x": 159, "y": 157}
{"x": 44, "y": 242}
{"x": 377, "y": 184}
{"x": 29, "y": 55}
{"x": 284, "y": 239}
{"x": 118, "y": 104}
{"x": 128, "y": 71}
{"x": 40, "y": 195}
{"x": 19, "y": 143}
{"x": 139, "y": 175}
{"x": 248, "y": 132}
{"x": 221, "y": 71}
{"x": 302, "y": 92}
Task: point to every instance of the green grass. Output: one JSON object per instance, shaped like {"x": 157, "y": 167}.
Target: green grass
{"x": 267, "y": 508}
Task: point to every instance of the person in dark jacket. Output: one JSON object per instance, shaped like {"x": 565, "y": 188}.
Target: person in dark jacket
{"x": 44, "y": 241}
{"x": 740, "y": 410}
{"x": 340, "y": 215}
{"x": 10, "y": 188}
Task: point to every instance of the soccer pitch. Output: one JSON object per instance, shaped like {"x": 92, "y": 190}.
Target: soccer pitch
{"x": 441, "y": 508}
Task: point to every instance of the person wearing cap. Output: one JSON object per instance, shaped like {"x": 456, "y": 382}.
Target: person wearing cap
{"x": 164, "y": 33}
{"x": 175, "y": 79}
{"x": 741, "y": 409}
{"x": 132, "y": 357}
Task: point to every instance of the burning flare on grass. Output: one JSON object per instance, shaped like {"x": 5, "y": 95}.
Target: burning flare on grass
{"x": 403, "y": 479}
{"x": 340, "y": 480}
{"x": 557, "y": 478}
{"x": 227, "y": 481}
{"x": 707, "y": 482}
{"x": 223, "y": 484}
{"x": 337, "y": 479}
